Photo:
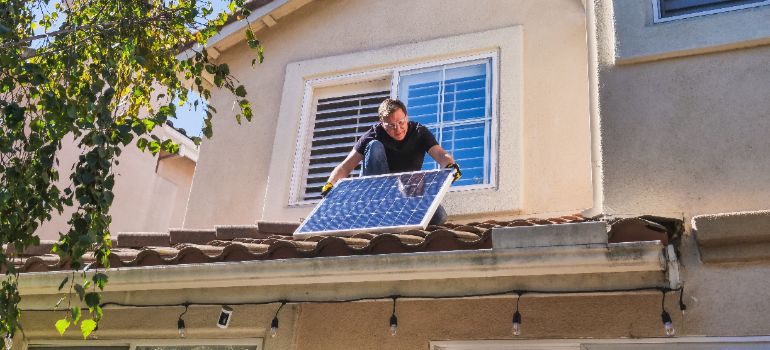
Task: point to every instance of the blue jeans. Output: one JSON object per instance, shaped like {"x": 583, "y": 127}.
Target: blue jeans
{"x": 376, "y": 163}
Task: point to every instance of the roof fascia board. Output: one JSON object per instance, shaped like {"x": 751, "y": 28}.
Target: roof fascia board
{"x": 235, "y": 27}
{"x": 540, "y": 261}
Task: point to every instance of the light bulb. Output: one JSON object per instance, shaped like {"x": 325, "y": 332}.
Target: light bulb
{"x": 668, "y": 325}
{"x": 180, "y": 327}
{"x": 274, "y": 327}
{"x": 516, "y": 329}
{"x": 393, "y": 324}
{"x": 8, "y": 341}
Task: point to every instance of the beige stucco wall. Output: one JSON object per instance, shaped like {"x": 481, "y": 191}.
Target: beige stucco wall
{"x": 681, "y": 127}
{"x": 683, "y": 136}
{"x": 364, "y": 325}
{"x": 236, "y": 165}
{"x": 150, "y": 196}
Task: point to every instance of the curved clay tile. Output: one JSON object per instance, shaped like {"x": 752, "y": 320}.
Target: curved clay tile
{"x": 471, "y": 229}
{"x": 282, "y": 250}
{"x": 355, "y": 243}
{"x": 387, "y": 244}
{"x": 147, "y": 257}
{"x": 41, "y": 263}
{"x": 115, "y": 259}
{"x": 197, "y": 255}
{"x": 448, "y": 240}
{"x": 236, "y": 252}
{"x": 411, "y": 239}
{"x": 364, "y": 235}
{"x": 415, "y": 232}
{"x": 333, "y": 246}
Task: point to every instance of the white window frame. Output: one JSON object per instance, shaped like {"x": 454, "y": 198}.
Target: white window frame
{"x": 584, "y": 344}
{"x": 304, "y": 139}
{"x": 132, "y": 344}
{"x": 658, "y": 19}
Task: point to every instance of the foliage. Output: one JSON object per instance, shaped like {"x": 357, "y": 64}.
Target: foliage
{"x": 104, "y": 73}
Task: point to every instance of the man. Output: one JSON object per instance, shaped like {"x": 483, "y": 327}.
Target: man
{"x": 394, "y": 145}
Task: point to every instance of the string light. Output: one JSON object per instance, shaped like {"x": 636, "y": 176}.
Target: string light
{"x": 668, "y": 325}
{"x": 516, "y": 328}
{"x": 516, "y": 320}
{"x": 180, "y": 323}
{"x": 274, "y": 323}
{"x": 393, "y": 319}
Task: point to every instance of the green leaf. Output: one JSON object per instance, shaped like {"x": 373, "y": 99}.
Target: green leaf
{"x": 75, "y": 312}
{"x": 80, "y": 290}
{"x": 63, "y": 282}
{"x": 92, "y": 299}
{"x": 86, "y": 327}
{"x": 62, "y": 325}
{"x": 100, "y": 280}
{"x": 240, "y": 91}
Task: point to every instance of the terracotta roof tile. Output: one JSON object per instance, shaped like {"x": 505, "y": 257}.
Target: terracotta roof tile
{"x": 142, "y": 239}
{"x": 179, "y": 235}
{"x": 270, "y": 240}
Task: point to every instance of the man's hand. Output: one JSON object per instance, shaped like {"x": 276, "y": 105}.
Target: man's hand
{"x": 458, "y": 174}
{"x": 326, "y": 189}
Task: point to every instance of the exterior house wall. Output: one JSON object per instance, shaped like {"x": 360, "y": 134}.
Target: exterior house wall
{"x": 683, "y": 123}
{"x": 150, "y": 196}
{"x": 240, "y": 167}
{"x": 688, "y": 135}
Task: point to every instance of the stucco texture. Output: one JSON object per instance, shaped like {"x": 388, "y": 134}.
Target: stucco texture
{"x": 686, "y": 135}
{"x": 234, "y": 166}
{"x": 364, "y": 325}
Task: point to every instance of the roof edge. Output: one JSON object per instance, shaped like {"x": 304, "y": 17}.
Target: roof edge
{"x": 614, "y": 259}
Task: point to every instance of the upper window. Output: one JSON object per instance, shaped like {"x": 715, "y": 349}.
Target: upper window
{"x": 452, "y": 98}
{"x": 666, "y": 10}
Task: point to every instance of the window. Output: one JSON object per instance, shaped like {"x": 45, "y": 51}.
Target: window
{"x": 454, "y": 102}
{"x": 666, "y": 10}
{"x": 453, "y": 98}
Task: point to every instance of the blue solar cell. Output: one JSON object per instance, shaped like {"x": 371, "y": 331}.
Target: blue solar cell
{"x": 392, "y": 202}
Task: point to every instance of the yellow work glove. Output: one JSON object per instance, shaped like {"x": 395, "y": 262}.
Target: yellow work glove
{"x": 458, "y": 174}
{"x": 326, "y": 189}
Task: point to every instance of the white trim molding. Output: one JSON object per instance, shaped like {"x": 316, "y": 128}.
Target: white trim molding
{"x": 504, "y": 46}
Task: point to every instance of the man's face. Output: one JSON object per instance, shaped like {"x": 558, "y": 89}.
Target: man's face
{"x": 396, "y": 124}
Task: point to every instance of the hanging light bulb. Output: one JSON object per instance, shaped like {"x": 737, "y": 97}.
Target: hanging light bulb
{"x": 180, "y": 327}
{"x": 516, "y": 329}
{"x": 393, "y": 324}
{"x": 8, "y": 341}
{"x": 668, "y": 326}
{"x": 274, "y": 323}
{"x": 180, "y": 322}
{"x": 274, "y": 327}
{"x": 393, "y": 319}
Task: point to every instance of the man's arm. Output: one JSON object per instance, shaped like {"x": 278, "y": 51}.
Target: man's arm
{"x": 440, "y": 155}
{"x": 343, "y": 169}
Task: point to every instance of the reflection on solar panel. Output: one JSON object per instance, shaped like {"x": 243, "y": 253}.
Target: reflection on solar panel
{"x": 382, "y": 203}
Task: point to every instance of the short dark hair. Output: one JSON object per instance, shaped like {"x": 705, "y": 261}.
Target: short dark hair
{"x": 389, "y": 106}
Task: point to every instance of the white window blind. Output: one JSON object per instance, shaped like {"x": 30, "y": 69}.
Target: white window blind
{"x": 674, "y": 8}
{"x": 339, "y": 122}
{"x": 454, "y": 102}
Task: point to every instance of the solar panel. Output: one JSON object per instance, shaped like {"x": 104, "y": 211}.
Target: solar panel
{"x": 380, "y": 203}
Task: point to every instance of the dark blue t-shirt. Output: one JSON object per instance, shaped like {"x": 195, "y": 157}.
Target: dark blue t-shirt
{"x": 404, "y": 155}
